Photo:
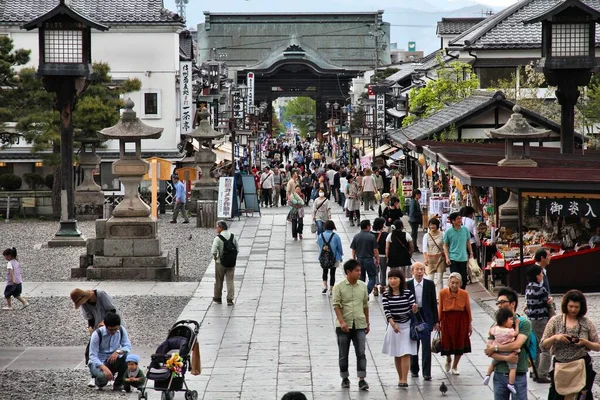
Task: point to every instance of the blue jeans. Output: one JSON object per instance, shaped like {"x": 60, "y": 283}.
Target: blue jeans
{"x": 501, "y": 392}
{"x": 358, "y": 338}
{"x": 368, "y": 268}
{"x": 320, "y": 227}
{"x": 342, "y": 199}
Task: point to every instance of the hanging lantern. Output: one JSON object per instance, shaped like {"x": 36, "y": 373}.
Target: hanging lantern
{"x": 429, "y": 172}
{"x": 422, "y": 160}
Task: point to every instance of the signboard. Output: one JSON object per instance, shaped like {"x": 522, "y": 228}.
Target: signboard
{"x": 380, "y": 111}
{"x": 250, "y": 83}
{"x": 412, "y": 46}
{"x": 186, "y": 114}
{"x": 565, "y": 207}
{"x": 213, "y": 77}
{"x": 226, "y": 194}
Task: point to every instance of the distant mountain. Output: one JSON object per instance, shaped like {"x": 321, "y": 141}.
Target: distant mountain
{"x": 416, "y": 25}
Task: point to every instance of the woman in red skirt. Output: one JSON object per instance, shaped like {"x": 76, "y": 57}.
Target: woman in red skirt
{"x": 455, "y": 320}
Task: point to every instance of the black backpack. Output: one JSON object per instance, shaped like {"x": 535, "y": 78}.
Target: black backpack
{"x": 327, "y": 257}
{"x": 230, "y": 252}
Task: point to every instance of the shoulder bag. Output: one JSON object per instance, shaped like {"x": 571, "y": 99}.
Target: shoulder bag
{"x": 405, "y": 248}
{"x": 419, "y": 330}
{"x": 570, "y": 377}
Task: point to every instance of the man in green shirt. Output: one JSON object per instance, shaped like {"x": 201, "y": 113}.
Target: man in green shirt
{"x": 457, "y": 247}
{"x": 507, "y": 298}
{"x": 351, "y": 305}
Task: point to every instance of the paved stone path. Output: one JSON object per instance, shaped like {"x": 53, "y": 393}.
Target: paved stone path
{"x": 280, "y": 335}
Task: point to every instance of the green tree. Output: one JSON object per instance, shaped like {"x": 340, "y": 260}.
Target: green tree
{"x": 277, "y": 127}
{"x": 300, "y": 111}
{"x": 455, "y": 81}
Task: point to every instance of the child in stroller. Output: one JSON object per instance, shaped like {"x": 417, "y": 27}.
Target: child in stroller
{"x": 181, "y": 340}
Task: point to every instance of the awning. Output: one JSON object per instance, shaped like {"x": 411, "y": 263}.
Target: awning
{"x": 399, "y": 155}
{"x": 395, "y": 113}
{"x": 379, "y": 151}
{"x": 391, "y": 150}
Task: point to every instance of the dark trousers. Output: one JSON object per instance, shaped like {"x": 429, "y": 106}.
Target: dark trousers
{"x": 267, "y": 195}
{"x": 297, "y": 226}
{"x": 414, "y": 234}
{"x": 283, "y": 195}
{"x": 342, "y": 198}
{"x": 368, "y": 269}
{"x": 118, "y": 369}
{"x": 358, "y": 339}
{"x": 425, "y": 346}
{"x": 461, "y": 268}
{"x": 331, "y": 272}
{"x": 127, "y": 385}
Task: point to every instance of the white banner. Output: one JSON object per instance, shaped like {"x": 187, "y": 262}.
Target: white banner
{"x": 225, "y": 203}
{"x": 380, "y": 112}
{"x": 250, "y": 83}
{"x": 186, "y": 101}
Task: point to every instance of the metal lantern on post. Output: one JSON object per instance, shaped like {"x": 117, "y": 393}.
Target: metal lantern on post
{"x": 65, "y": 61}
{"x": 568, "y": 57}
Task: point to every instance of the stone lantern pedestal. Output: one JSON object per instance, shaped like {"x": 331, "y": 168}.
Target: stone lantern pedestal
{"x": 89, "y": 198}
{"x": 126, "y": 245}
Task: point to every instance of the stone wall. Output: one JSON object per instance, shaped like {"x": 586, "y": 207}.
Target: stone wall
{"x": 43, "y": 202}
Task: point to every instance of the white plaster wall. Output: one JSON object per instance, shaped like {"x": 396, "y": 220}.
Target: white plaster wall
{"x": 149, "y": 54}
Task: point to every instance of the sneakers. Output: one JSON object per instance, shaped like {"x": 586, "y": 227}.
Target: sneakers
{"x": 6, "y": 308}
{"x": 512, "y": 389}
{"x": 486, "y": 380}
{"x": 345, "y": 383}
{"x": 92, "y": 383}
{"x": 363, "y": 385}
{"x": 455, "y": 371}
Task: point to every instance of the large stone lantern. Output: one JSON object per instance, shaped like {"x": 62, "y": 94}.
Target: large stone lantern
{"x": 206, "y": 188}
{"x": 126, "y": 245}
{"x": 89, "y": 198}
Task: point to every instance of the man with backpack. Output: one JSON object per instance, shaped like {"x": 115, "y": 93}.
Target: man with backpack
{"x": 224, "y": 250}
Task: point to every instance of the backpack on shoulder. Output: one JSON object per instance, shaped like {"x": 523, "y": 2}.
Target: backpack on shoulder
{"x": 327, "y": 257}
{"x": 230, "y": 252}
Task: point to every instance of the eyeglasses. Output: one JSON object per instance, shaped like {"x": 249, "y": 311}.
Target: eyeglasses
{"x": 500, "y": 302}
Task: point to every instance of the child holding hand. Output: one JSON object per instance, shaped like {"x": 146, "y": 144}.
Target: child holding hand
{"x": 505, "y": 332}
{"x": 14, "y": 282}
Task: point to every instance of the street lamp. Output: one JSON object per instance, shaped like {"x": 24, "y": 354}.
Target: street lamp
{"x": 65, "y": 64}
{"x": 568, "y": 57}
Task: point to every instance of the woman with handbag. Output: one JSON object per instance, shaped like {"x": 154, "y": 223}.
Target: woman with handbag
{"x": 399, "y": 305}
{"x": 296, "y": 213}
{"x": 570, "y": 337}
{"x": 433, "y": 251}
{"x": 454, "y": 309}
{"x": 321, "y": 212}
{"x": 399, "y": 249}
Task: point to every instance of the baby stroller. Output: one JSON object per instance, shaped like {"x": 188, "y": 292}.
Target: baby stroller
{"x": 181, "y": 339}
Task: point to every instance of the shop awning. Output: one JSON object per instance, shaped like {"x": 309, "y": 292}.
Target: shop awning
{"x": 399, "y": 155}
{"x": 390, "y": 151}
{"x": 395, "y": 113}
{"x": 380, "y": 150}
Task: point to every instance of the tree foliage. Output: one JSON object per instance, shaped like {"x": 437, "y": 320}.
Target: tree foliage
{"x": 300, "y": 111}
{"x": 455, "y": 81}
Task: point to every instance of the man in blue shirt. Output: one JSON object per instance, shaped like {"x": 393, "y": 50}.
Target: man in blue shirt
{"x": 180, "y": 198}
{"x": 109, "y": 346}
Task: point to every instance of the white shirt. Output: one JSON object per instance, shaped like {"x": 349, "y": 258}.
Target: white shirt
{"x": 330, "y": 175}
{"x": 419, "y": 292}
{"x": 389, "y": 237}
{"x": 266, "y": 180}
{"x": 471, "y": 225}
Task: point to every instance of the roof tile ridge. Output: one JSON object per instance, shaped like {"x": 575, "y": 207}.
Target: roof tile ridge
{"x": 492, "y": 21}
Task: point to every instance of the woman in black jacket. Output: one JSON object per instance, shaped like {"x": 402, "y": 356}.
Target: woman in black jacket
{"x": 399, "y": 249}
{"x": 393, "y": 212}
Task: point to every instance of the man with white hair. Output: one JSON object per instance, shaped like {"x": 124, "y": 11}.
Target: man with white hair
{"x": 222, "y": 251}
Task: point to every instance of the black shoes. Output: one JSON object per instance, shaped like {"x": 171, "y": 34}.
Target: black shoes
{"x": 345, "y": 383}
{"x": 427, "y": 378}
{"x": 402, "y": 385}
{"x": 229, "y": 302}
{"x": 186, "y": 222}
{"x": 218, "y": 301}
{"x": 414, "y": 375}
{"x": 363, "y": 385}
{"x": 324, "y": 291}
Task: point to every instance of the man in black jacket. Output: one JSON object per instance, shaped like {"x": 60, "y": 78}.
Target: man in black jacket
{"x": 336, "y": 186}
{"x": 423, "y": 291}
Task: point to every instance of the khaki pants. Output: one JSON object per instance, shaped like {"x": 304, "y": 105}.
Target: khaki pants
{"x": 222, "y": 273}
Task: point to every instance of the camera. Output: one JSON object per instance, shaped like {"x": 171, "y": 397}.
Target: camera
{"x": 573, "y": 339}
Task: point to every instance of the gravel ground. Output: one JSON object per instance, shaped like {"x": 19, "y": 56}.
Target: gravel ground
{"x": 148, "y": 320}
{"x": 593, "y": 312}
{"x": 65, "y": 384}
{"x": 43, "y": 264}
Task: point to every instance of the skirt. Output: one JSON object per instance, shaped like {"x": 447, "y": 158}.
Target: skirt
{"x": 455, "y": 333}
{"x": 399, "y": 344}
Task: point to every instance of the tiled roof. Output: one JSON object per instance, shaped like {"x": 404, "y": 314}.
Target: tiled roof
{"x": 506, "y": 30}
{"x": 456, "y": 26}
{"x": 450, "y": 115}
{"x": 404, "y": 71}
{"x": 103, "y": 11}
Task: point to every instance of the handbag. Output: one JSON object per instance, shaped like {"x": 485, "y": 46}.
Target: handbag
{"x": 419, "y": 330}
{"x": 436, "y": 342}
{"x": 473, "y": 268}
{"x": 313, "y": 227}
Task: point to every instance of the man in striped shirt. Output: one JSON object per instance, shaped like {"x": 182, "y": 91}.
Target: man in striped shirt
{"x": 538, "y": 301}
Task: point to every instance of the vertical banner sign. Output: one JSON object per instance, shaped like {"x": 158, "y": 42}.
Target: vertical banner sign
{"x": 186, "y": 101}
{"x": 225, "y": 203}
{"x": 214, "y": 78}
{"x": 250, "y": 83}
{"x": 380, "y": 112}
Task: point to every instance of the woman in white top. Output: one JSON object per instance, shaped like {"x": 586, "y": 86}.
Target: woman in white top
{"x": 321, "y": 212}
{"x": 369, "y": 187}
{"x": 433, "y": 251}
{"x": 399, "y": 249}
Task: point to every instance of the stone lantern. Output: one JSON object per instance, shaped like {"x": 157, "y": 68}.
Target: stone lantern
{"x": 89, "y": 198}
{"x": 206, "y": 188}
{"x": 126, "y": 245}
{"x": 517, "y": 129}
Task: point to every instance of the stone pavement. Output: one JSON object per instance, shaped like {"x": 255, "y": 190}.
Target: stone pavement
{"x": 280, "y": 334}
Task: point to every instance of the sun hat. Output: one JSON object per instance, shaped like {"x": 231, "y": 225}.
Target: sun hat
{"x": 80, "y": 297}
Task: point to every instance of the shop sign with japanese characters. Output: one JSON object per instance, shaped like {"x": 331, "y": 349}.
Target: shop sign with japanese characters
{"x": 250, "y": 84}
{"x": 565, "y": 207}
{"x": 380, "y": 111}
{"x": 225, "y": 203}
{"x": 186, "y": 102}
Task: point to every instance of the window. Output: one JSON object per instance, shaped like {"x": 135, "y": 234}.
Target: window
{"x": 152, "y": 106}
{"x": 489, "y": 77}
{"x": 570, "y": 40}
